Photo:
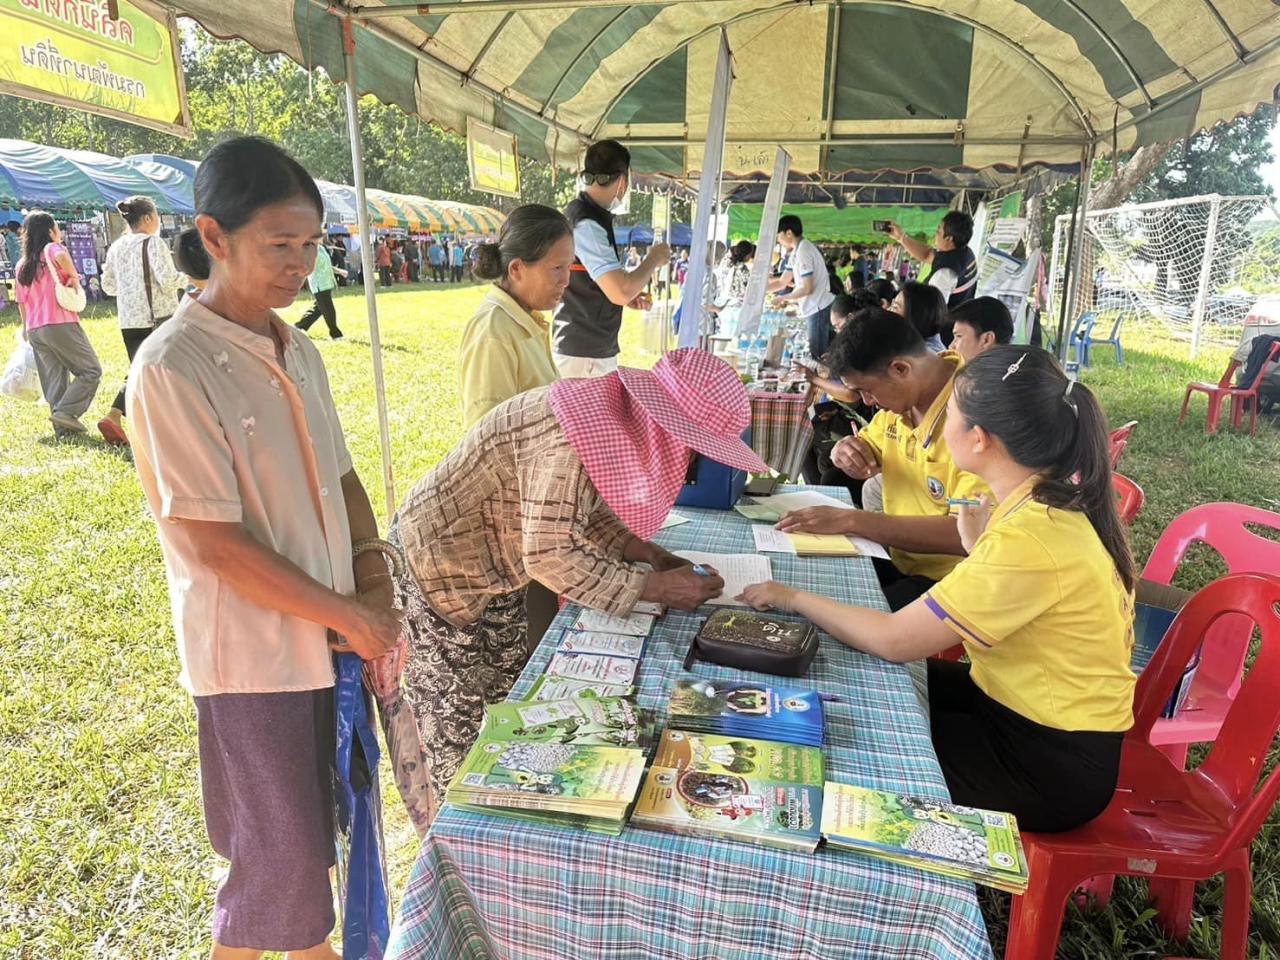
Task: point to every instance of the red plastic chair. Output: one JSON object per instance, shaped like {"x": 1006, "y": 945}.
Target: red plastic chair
{"x": 1131, "y": 497}
{"x": 1221, "y": 526}
{"x": 1172, "y": 826}
{"x": 1120, "y": 440}
{"x": 1241, "y": 397}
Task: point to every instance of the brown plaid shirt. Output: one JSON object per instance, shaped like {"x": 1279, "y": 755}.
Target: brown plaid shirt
{"x": 512, "y": 502}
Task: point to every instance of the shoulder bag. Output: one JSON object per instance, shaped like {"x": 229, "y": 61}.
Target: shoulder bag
{"x": 71, "y": 299}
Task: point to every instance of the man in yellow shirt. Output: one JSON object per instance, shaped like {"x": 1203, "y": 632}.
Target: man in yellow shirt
{"x": 883, "y": 357}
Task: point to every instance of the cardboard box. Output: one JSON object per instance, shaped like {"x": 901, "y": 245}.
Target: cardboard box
{"x": 1155, "y": 608}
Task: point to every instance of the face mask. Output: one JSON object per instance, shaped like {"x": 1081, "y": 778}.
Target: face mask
{"x": 622, "y": 204}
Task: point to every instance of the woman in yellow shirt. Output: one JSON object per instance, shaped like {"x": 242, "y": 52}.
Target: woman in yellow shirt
{"x": 506, "y": 346}
{"x": 1043, "y": 602}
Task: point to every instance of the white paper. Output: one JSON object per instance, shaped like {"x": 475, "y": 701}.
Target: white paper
{"x": 738, "y": 570}
{"x": 608, "y": 644}
{"x": 673, "y": 520}
{"x": 786, "y": 502}
{"x": 635, "y": 625}
{"x": 771, "y": 540}
{"x": 619, "y": 671}
{"x": 869, "y": 548}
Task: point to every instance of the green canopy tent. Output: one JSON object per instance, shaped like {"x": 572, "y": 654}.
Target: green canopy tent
{"x": 1001, "y": 85}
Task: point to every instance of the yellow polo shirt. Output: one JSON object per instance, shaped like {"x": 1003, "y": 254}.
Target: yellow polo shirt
{"x": 1044, "y": 617}
{"x": 506, "y": 351}
{"x": 919, "y": 474}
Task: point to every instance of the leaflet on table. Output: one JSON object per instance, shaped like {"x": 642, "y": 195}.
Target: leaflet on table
{"x": 634, "y": 625}
{"x": 753, "y": 790}
{"x": 770, "y": 540}
{"x": 673, "y": 520}
{"x": 738, "y": 570}
{"x": 650, "y": 607}
{"x": 979, "y": 845}
{"x": 618, "y": 671}
{"x": 774, "y": 508}
{"x": 608, "y": 720}
{"x": 747, "y": 708}
{"x": 558, "y": 688}
{"x": 595, "y": 782}
{"x": 609, "y": 644}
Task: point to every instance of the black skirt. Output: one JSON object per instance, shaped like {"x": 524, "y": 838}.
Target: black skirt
{"x": 994, "y": 758}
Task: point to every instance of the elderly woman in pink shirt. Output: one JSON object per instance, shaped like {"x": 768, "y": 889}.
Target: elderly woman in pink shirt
{"x": 68, "y": 367}
{"x": 264, "y": 526}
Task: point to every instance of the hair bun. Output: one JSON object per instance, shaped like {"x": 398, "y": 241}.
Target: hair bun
{"x": 488, "y": 265}
{"x": 124, "y": 207}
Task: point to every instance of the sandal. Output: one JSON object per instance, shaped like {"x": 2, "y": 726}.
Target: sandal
{"x": 112, "y": 432}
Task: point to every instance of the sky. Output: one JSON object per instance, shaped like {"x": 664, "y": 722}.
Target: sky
{"x": 1271, "y": 171}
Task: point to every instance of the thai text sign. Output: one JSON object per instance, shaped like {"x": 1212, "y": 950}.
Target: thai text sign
{"x": 492, "y": 159}
{"x": 71, "y": 52}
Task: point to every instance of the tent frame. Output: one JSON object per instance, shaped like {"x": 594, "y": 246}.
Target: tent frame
{"x": 365, "y": 17}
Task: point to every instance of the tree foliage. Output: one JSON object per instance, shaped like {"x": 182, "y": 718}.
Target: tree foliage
{"x": 233, "y": 90}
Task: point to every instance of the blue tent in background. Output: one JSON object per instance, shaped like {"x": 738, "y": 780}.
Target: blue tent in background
{"x": 32, "y": 175}
{"x": 641, "y": 234}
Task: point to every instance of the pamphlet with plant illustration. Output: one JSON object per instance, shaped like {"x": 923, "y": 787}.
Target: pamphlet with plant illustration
{"x": 747, "y": 708}
{"x": 979, "y": 845}
{"x": 597, "y": 782}
{"x": 754, "y": 790}
{"x": 605, "y": 720}
{"x": 558, "y": 688}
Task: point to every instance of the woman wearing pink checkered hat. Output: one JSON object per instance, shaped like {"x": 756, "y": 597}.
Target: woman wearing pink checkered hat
{"x": 563, "y": 485}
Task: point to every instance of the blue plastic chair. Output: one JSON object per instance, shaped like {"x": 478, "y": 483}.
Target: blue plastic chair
{"x": 1112, "y": 338}
{"x": 1078, "y": 339}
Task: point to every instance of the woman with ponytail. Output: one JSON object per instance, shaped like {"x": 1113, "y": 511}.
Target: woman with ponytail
{"x": 1043, "y": 603}
{"x": 506, "y": 347}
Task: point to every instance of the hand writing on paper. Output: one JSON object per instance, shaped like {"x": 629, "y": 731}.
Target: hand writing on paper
{"x": 770, "y": 595}
{"x": 683, "y": 588}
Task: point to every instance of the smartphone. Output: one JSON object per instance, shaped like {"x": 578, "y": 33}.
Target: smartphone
{"x": 761, "y": 486}
{"x": 880, "y": 226}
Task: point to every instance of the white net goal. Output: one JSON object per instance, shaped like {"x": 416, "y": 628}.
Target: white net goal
{"x": 1199, "y": 265}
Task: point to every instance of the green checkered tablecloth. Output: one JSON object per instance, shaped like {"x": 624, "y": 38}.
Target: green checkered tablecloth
{"x": 489, "y": 888}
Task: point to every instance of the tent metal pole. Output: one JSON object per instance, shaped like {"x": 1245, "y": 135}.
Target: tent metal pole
{"x": 1075, "y": 251}
{"x": 368, "y": 270}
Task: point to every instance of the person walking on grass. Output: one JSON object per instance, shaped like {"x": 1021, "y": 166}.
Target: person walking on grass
{"x": 269, "y": 545}
{"x": 139, "y": 272}
{"x": 68, "y": 367}
{"x": 322, "y": 281}
{"x": 458, "y": 258}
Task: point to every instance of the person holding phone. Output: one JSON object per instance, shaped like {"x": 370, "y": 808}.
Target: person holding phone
{"x": 954, "y": 267}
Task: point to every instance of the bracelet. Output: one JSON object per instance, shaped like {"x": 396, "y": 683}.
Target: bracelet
{"x": 388, "y": 550}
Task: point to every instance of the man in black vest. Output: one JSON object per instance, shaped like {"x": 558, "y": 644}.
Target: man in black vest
{"x": 955, "y": 268}
{"x": 590, "y": 315}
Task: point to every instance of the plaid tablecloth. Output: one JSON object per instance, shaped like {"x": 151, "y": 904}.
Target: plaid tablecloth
{"x": 780, "y": 430}
{"x": 488, "y": 888}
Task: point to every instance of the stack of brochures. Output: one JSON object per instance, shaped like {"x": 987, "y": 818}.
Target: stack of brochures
{"x": 747, "y": 708}
{"x": 584, "y": 785}
{"x": 979, "y": 845}
{"x": 757, "y": 791}
{"x": 611, "y": 721}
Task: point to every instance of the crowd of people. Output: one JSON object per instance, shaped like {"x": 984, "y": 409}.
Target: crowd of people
{"x": 994, "y": 482}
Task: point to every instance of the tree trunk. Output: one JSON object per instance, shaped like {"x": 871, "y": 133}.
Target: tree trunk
{"x": 1114, "y": 191}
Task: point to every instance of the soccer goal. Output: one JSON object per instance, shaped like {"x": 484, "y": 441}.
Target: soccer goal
{"x": 1196, "y": 264}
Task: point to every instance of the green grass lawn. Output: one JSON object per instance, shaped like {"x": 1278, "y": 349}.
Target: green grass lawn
{"x": 102, "y": 845}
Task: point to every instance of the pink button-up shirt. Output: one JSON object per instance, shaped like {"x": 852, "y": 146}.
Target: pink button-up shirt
{"x": 222, "y": 432}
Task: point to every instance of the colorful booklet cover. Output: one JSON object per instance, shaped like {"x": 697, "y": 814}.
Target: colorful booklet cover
{"x": 979, "y": 845}
{"x": 617, "y": 671}
{"x": 634, "y": 625}
{"x": 758, "y": 791}
{"x": 746, "y": 708}
{"x": 577, "y": 781}
{"x": 607, "y": 644}
{"x": 607, "y": 720}
{"x": 558, "y": 688}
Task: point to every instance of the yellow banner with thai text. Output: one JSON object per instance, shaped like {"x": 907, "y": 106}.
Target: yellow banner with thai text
{"x": 74, "y": 53}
